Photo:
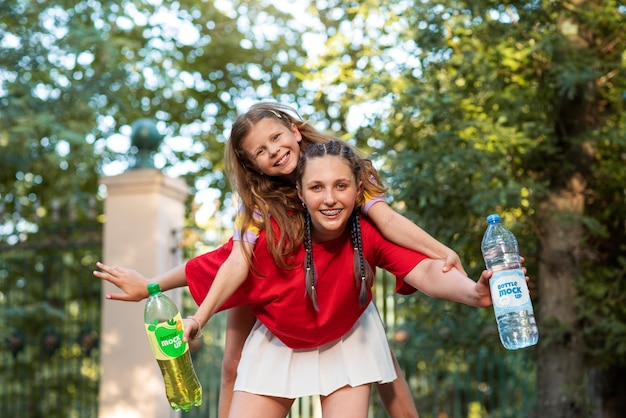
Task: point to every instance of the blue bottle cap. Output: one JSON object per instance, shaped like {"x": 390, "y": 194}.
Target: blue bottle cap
{"x": 493, "y": 219}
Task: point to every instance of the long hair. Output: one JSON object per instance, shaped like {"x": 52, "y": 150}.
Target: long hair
{"x": 363, "y": 272}
{"x": 276, "y": 196}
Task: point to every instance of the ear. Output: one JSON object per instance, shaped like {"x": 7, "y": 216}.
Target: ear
{"x": 299, "y": 193}
{"x": 296, "y": 132}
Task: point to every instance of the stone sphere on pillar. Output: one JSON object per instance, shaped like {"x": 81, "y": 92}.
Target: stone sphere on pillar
{"x": 146, "y": 139}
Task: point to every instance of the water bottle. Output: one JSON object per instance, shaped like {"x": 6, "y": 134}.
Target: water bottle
{"x": 509, "y": 292}
{"x": 164, "y": 326}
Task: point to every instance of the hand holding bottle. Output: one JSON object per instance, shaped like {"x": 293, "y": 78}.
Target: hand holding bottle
{"x": 483, "y": 289}
{"x": 192, "y": 328}
{"x": 165, "y": 329}
{"x": 509, "y": 290}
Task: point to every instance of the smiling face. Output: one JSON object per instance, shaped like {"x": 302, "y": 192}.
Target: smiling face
{"x": 329, "y": 190}
{"x": 272, "y": 148}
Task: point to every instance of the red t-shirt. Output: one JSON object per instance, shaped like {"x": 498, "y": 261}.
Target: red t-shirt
{"x": 278, "y": 297}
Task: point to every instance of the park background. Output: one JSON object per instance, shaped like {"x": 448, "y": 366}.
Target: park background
{"x": 467, "y": 108}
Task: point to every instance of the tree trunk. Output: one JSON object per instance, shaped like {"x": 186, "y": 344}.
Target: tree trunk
{"x": 560, "y": 369}
{"x": 607, "y": 392}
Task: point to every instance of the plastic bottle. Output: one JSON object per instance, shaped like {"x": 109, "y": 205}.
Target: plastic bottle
{"x": 164, "y": 326}
{"x": 509, "y": 292}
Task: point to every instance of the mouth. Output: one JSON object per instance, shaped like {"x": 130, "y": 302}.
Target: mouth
{"x": 331, "y": 212}
{"x": 283, "y": 160}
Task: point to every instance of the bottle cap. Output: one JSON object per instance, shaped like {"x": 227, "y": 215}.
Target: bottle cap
{"x": 493, "y": 219}
{"x": 153, "y": 289}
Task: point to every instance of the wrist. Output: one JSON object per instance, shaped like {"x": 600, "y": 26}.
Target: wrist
{"x": 198, "y": 333}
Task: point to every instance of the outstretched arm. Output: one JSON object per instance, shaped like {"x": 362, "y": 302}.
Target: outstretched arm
{"x": 401, "y": 231}
{"x": 229, "y": 277}
{"x": 453, "y": 285}
{"x": 134, "y": 284}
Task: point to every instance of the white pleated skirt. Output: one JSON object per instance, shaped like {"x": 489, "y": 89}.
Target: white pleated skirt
{"x": 268, "y": 367}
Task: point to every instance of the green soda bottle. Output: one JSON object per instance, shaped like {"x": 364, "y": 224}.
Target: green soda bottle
{"x": 164, "y": 326}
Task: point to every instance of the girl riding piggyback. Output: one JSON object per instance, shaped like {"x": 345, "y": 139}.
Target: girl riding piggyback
{"x": 261, "y": 157}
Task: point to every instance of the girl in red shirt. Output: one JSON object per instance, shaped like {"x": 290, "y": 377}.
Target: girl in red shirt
{"x": 330, "y": 342}
{"x": 261, "y": 157}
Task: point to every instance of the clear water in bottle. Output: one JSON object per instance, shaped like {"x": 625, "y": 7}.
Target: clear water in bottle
{"x": 511, "y": 300}
{"x": 164, "y": 326}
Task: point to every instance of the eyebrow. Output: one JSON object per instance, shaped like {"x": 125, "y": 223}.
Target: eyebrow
{"x": 338, "y": 180}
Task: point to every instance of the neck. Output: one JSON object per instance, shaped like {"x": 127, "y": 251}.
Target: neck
{"x": 324, "y": 236}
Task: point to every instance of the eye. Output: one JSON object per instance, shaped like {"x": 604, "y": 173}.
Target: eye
{"x": 342, "y": 186}
{"x": 316, "y": 188}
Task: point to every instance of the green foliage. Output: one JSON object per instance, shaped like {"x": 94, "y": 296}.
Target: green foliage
{"x": 488, "y": 107}
{"x": 471, "y": 108}
{"x": 75, "y": 73}
{"x": 455, "y": 362}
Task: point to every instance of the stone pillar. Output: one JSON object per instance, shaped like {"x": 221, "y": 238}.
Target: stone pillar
{"x": 143, "y": 208}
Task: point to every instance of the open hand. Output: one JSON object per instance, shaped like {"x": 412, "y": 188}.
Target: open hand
{"x": 133, "y": 283}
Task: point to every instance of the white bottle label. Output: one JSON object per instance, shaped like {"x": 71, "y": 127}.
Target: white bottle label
{"x": 509, "y": 292}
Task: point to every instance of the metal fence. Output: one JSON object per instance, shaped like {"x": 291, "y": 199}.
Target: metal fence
{"x": 50, "y": 317}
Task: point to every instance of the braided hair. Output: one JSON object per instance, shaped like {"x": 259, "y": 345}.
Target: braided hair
{"x": 310, "y": 272}
{"x": 363, "y": 273}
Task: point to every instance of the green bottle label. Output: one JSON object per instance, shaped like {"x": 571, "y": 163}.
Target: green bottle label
{"x": 166, "y": 338}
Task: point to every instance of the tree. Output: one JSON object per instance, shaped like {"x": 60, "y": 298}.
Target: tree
{"x": 74, "y": 73}
{"x": 511, "y": 107}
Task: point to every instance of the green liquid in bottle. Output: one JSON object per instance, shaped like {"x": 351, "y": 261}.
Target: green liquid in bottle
{"x": 182, "y": 386}
{"x": 165, "y": 334}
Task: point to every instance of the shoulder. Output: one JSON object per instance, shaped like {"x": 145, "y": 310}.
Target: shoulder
{"x": 381, "y": 249}
{"x": 368, "y": 230}
{"x": 372, "y": 240}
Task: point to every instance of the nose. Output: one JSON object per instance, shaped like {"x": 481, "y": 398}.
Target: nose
{"x": 329, "y": 198}
{"x": 274, "y": 150}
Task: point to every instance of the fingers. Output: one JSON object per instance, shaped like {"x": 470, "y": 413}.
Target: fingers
{"x": 486, "y": 275}
{"x": 120, "y": 296}
{"x": 521, "y": 259}
{"x": 112, "y": 279}
{"x": 105, "y": 268}
{"x": 189, "y": 328}
{"x": 447, "y": 265}
{"x": 105, "y": 276}
{"x": 107, "y": 273}
{"x": 453, "y": 261}
{"x": 121, "y": 278}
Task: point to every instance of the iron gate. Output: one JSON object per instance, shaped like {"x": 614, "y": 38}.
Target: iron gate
{"x": 50, "y": 318}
